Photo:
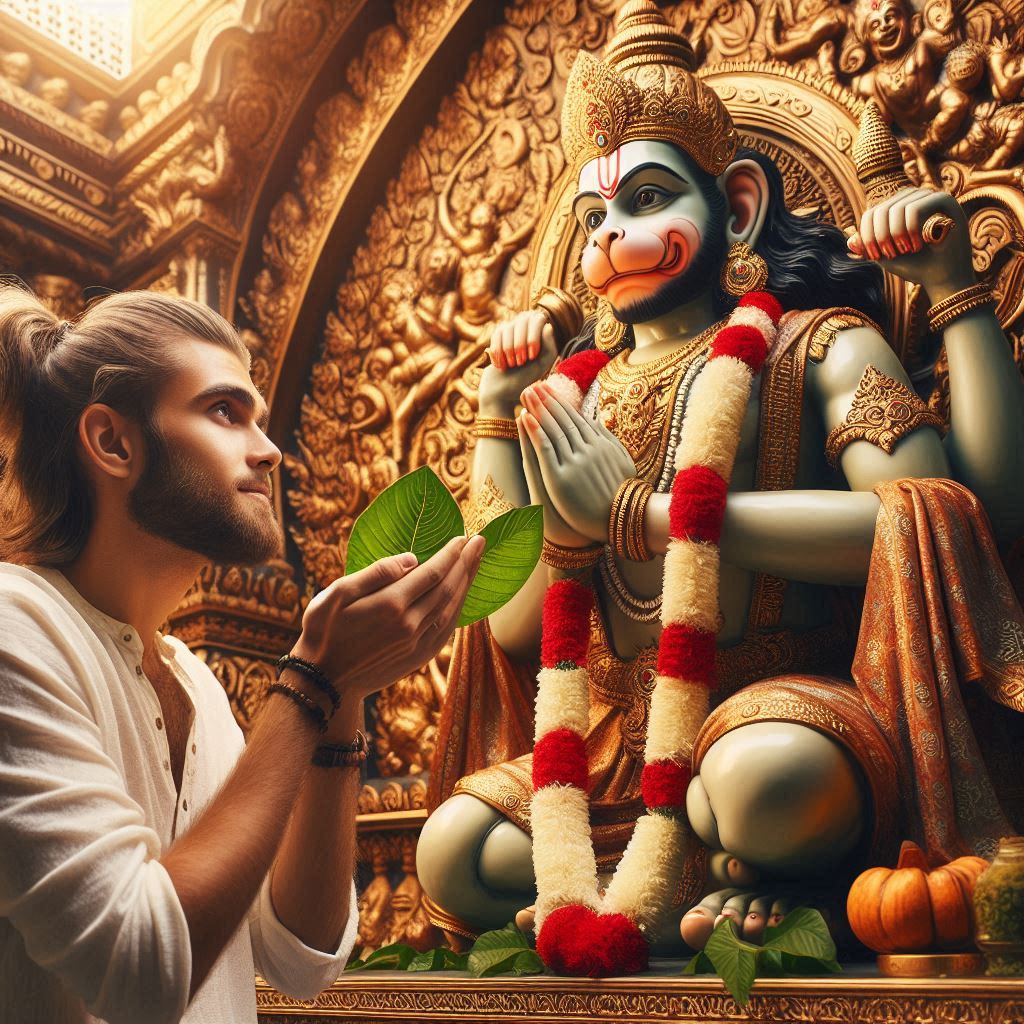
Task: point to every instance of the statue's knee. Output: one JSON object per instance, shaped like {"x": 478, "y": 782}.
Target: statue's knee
{"x": 449, "y": 845}
{"x": 506, "y": 859}
{"x": 784, "y": 796}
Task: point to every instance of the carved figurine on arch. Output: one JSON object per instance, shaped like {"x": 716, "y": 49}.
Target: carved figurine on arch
{"x": 691, "y": 661}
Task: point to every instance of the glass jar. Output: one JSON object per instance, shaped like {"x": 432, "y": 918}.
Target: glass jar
{"x": 999, "y": 910}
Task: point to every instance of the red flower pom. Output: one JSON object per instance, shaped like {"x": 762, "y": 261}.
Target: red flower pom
{"x": 764, "y": 301}
{"x": 742, "y": 342}
{"x": 698, "y": 504}
{"x": 577, "y": 942}
{"x": 687, "y": 653}
{"x": 560, "y": 756}
{"x": 565, "y": 628}
{"x": 583, "y": 367}
{"x": 663, "y": 784}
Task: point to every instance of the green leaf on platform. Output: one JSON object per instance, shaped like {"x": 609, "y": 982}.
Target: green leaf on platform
{"x": 699, "y": 964}
{"x": 513, "y": 550}
{"x": 416, "y": 513}
{"x": 504, "y": 951}
{"x": 395, "y": 957}
{"x": 802, "y": 933}
{"x": 438, "y": 960}
{"x": 733, "y": 959}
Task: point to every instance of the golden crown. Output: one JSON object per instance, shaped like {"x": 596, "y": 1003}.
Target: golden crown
{"x": 644, "y": 88}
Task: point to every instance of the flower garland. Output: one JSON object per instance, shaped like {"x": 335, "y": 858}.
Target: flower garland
{"x": 580, "y": 932}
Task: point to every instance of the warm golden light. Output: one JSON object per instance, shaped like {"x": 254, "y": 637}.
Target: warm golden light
{"x": 100, "y": 31}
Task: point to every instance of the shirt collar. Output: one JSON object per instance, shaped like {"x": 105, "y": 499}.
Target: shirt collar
{"x": 92, "y": 614}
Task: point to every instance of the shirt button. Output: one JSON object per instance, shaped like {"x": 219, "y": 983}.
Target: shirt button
{"x": 167, "y": 766}
{"x": 138, "y": 670}
{"x": 193, "y": 748}
{"x": 159, "y": 723}
{"x": 184, "y": 805}
{"x": 127, "y": 638}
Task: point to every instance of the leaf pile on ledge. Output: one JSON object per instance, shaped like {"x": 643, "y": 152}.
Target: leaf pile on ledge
{"x": 505, "y": 951}
{"x": 417, "y": 513}
{"x": 800, "y": 945}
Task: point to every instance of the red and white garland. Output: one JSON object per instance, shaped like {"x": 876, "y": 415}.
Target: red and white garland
{"x": 579, "y": 931}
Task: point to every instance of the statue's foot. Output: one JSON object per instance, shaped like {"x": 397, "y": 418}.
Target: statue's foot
{"x": 526, "y": 917}
{"x": 752, "y": 910}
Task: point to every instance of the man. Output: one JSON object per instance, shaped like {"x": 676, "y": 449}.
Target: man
{"x": 147, "y": 860}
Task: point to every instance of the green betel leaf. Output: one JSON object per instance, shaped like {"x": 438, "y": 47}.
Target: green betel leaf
{"x": 416, "y": 513}
{"x": 803, "y": 933}
{"x": 395, "y": 957}
{"x": 808, "y": 965}
{"x": 513, "y": 549}
{"x": 734, "y": 960}
{"x": 497, "y": 952}
{"x": 438, "y": 960}
{"x": 699, "y": 964}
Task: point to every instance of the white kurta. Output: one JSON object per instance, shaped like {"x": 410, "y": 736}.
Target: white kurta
{"x": 89, "y": 920}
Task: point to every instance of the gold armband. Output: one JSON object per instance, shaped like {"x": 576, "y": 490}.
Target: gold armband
{"x": 486, "y": 504}
{"x": 569, "y": 559}
{"x": 955, "y": 305}
{"x": 564, "y": 312}
{"x": 496, "y": 426}
{"x": 883, "y": 412}
{"x": 626, "y": 520}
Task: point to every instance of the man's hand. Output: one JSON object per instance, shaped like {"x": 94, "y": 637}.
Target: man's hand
{"x": 582, "y": 464}
{"x": 373, "y": 627}
{"x": 521, "y": 351}
{"x": 890, "y": 233}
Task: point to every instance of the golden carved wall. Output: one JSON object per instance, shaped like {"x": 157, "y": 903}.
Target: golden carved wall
{"x": 365, "y": 186}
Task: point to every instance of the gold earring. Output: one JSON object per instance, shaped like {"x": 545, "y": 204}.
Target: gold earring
{"x": 609, "y": 330}
{"x": 744, "y": 270}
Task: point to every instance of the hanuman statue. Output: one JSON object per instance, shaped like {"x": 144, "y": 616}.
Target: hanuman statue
{"x": 726, "y": 455}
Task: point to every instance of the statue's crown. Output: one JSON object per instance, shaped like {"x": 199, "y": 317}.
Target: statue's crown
{"x": 644, "y": 88}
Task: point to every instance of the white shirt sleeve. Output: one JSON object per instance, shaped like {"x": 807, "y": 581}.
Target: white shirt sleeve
{"x": 79, "y": 875}
{"x": 285, "y": 961}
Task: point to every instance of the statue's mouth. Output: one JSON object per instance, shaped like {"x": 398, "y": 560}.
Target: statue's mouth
{"x": 675, "y": 260}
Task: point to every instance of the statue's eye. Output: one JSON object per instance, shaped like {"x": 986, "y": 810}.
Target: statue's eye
{"x": 593, "y": 219}
{"x": 645, "y": 198}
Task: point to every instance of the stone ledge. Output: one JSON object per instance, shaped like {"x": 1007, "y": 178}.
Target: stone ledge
{"x": 398, "y": 997}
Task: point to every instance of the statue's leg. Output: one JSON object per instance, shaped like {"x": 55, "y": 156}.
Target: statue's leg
{"x": 783, "y": 799}
{"x": 475, "y": 863}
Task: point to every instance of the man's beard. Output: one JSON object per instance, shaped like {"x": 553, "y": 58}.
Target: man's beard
{"x": 176, "y": 501}
{"x": 700, "y": 276}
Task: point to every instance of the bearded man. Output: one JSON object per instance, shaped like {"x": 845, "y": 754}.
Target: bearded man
{"x": 793, "y": 776}
{"x": 149, "y": 859}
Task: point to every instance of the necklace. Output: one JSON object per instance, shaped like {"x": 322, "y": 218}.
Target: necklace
{"x": 579, "y": 930}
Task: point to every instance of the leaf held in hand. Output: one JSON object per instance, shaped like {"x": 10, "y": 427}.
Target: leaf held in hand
{"x": 513, "y": 548}
{"x": 416, "y": 513}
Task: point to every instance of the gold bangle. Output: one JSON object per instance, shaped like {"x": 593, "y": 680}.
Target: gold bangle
{"x": 636, "y": 539}
{"x": 496, "y": 426}
{"x": 957, "y": 304}
{"x": 571, "y": 559}
{"x": 625, "y": 520}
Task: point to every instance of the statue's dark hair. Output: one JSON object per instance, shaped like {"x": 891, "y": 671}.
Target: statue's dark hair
{"x": 809, "y": 266}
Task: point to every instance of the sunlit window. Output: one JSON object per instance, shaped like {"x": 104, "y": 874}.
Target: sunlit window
{"x": 98, "y": 30}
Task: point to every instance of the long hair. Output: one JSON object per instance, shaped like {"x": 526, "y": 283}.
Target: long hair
{"x": 809, "y": 265}
{"x": 119, "y": 352}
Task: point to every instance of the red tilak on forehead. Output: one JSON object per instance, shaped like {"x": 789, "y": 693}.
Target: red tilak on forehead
{"x": 608, "y": 173}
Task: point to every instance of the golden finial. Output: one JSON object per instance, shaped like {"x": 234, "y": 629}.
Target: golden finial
{"x": 879, "y": 163}
{"x": 644, "y": 88}
{"x": 642, "y": 36}
{"x": 877, "y": 157}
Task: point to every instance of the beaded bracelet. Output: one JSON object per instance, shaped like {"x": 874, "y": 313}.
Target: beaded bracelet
{"x": 343, "y": 755}
{"x": 314, "y": 674}
{"x": 304, "y": 701}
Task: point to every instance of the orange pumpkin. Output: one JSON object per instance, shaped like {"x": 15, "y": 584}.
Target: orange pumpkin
{"x": 911, "y": 909}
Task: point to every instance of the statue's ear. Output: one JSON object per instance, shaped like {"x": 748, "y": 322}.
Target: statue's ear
{"x": 746, "y": 189}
